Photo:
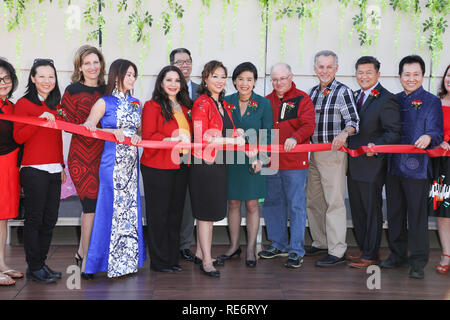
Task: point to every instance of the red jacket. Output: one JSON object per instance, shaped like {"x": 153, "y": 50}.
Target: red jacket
{"x": 156, "y": 127}
{"x": 208, "y": 123}
{"x": 298, "y": 121}
{"x": 41, "y": 145}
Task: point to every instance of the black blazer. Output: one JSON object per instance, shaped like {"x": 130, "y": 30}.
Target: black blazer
{"x": 380, "y": 123}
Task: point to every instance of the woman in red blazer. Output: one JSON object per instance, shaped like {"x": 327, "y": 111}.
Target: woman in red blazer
{"x": 213, "y": 124}
{"x": 165, "y": 174}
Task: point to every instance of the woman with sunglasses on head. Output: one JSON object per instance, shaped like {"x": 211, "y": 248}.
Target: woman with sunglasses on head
{"x": 165, "y": 172}
{"x": 88, "y": 85}
{"x": 213, "y": 124}
{"x": 117, "y": 243}
{"x": 9, "y": 171}
{"x": 41, "y": 172}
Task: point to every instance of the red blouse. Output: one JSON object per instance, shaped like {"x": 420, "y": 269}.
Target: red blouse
{"x": 207, "y": 123}
{"x": 41, "y": 145}
{"x": 156, "y": 127}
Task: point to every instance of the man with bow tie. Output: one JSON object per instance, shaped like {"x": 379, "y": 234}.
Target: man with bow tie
{"x": 380, "y": 124}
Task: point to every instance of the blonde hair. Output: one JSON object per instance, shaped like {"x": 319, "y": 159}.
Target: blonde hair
{"x": 82, "y": 52}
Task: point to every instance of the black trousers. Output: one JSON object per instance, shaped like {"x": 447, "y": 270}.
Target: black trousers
{"x": 42, "y": 195}
{"x": 366, "y": 204}
{"x": 408, "y": 219}
{"x": 165, "y": 193}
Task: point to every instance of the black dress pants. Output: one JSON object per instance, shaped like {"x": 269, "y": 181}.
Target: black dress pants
{"x": 42, "y": 196}
{"x": 408, "y": 219}
{"x": 165, "y": 193}
{"x": 366, "y": 205}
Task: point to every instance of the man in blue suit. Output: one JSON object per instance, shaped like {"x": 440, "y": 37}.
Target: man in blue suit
{"x": 407, "y": 182}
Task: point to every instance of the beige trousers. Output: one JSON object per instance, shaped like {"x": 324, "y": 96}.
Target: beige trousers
{"x": 325, "y": 201}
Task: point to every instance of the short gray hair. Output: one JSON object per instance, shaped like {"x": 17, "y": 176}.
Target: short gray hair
{"x": 326, "y": 53}
{"x": 281, "y": 64}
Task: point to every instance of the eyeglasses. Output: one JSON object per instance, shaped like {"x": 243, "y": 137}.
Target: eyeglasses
{"x": 183, "y": 62}
{"x": 6, "y": 79}
{"x": 282, "y": 79}
{"x": 43, "y": 60}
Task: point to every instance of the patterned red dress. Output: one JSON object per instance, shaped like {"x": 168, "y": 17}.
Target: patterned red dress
{"x": 84, "y": 153}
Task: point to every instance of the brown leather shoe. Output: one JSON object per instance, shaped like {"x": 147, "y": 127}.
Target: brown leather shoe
{"x": 362, "y": 263}
{"x": 353, "y": 256}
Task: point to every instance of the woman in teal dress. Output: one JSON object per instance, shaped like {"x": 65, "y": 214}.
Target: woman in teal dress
{"x": 252, "y": 113}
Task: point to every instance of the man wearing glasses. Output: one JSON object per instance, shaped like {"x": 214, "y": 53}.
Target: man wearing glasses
{"x": 293, "y": 115}
{"x": 336, "y": 119}
{"x": 181, "y": 58}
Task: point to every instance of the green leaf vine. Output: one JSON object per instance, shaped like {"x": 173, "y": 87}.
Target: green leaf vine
{"x": 429, "y": 18}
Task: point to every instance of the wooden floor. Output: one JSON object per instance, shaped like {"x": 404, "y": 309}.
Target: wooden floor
{"x": 270, "y": 280}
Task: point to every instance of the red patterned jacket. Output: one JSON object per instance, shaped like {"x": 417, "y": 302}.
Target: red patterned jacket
{"x": 207, "y": 123}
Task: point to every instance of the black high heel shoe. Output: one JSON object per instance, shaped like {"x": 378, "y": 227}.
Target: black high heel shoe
{"x": 250, "y": 263}
{"x": 87, "y": 276}
{"x": 217, "y": 262}
{"x": 78, "y": 260}
{"x": 214, "y": 273}
{"x": 236, "y": 253}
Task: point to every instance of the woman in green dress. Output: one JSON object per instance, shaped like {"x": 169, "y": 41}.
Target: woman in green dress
{"x": 252, "y": 113}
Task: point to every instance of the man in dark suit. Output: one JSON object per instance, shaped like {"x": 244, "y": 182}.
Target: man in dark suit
{"x": 380, "y": 123}
{"x": 182, "y": 59}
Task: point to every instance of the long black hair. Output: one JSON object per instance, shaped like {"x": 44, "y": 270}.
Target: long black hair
{"x": 442, "y": 90}
{"x": 12, "y": 73}
{"x": 54, "y": 97}
{"x": 118, "y": 71}
{"x": 160, "y": 96}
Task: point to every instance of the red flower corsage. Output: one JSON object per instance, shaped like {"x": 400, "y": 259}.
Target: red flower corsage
{"x": 290, "y": 106}
{"x": 416, "y": 104}
{"x": 135, "y": 104}
{"x": 375, "y": 93}
{"x": 253, "y": 105}
{"x": 61, "y": 114}
{"x": 326, "y": 92}
{"x": 231, "y": 107}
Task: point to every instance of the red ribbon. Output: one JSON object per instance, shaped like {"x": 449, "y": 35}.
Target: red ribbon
{"x": 79, "y": 129}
